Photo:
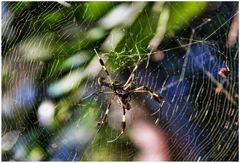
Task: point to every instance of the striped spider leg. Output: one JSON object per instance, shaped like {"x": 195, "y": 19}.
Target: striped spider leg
{"x": 144, "y": 89}
{"x": 104, "y": 67}
{"x": 155, "y": 96}
{"x": 123, "y": 123}
{"x": 107, "y": 111}
{"x": 131, "y": 76}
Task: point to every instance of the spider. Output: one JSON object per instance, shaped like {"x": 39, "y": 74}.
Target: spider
{"x": 122, "y": 92}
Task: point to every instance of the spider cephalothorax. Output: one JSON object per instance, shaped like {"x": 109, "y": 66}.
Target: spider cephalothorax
{"x": 116, "y": 86}
{"x": 123, "y": 93}
{"x": 118, "y": 90}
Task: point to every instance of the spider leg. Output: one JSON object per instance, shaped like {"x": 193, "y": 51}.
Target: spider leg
{"x": 124, "y": 103}
{"x": 144, "y": 89}
{"x": 104, "y": 67}
{"x": 123, "y": 127}
{"x": 131, "y": 77}
{"x": 106, "y": 112}
{"x": 107, "y": 92}
{"x": 123, "y": 124}
{"x": 96, "y": 93}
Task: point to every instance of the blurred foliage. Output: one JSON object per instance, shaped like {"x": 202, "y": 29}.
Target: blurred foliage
{"x": 54, "y": 43}
{"x": 187, "y": 11}
{"x": 95, "y": 10}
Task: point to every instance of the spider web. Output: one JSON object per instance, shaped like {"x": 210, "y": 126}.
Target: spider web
{"x": 50, "y": 99}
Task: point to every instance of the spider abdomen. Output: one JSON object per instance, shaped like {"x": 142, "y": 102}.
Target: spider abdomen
{"x": 122, "y": 93}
